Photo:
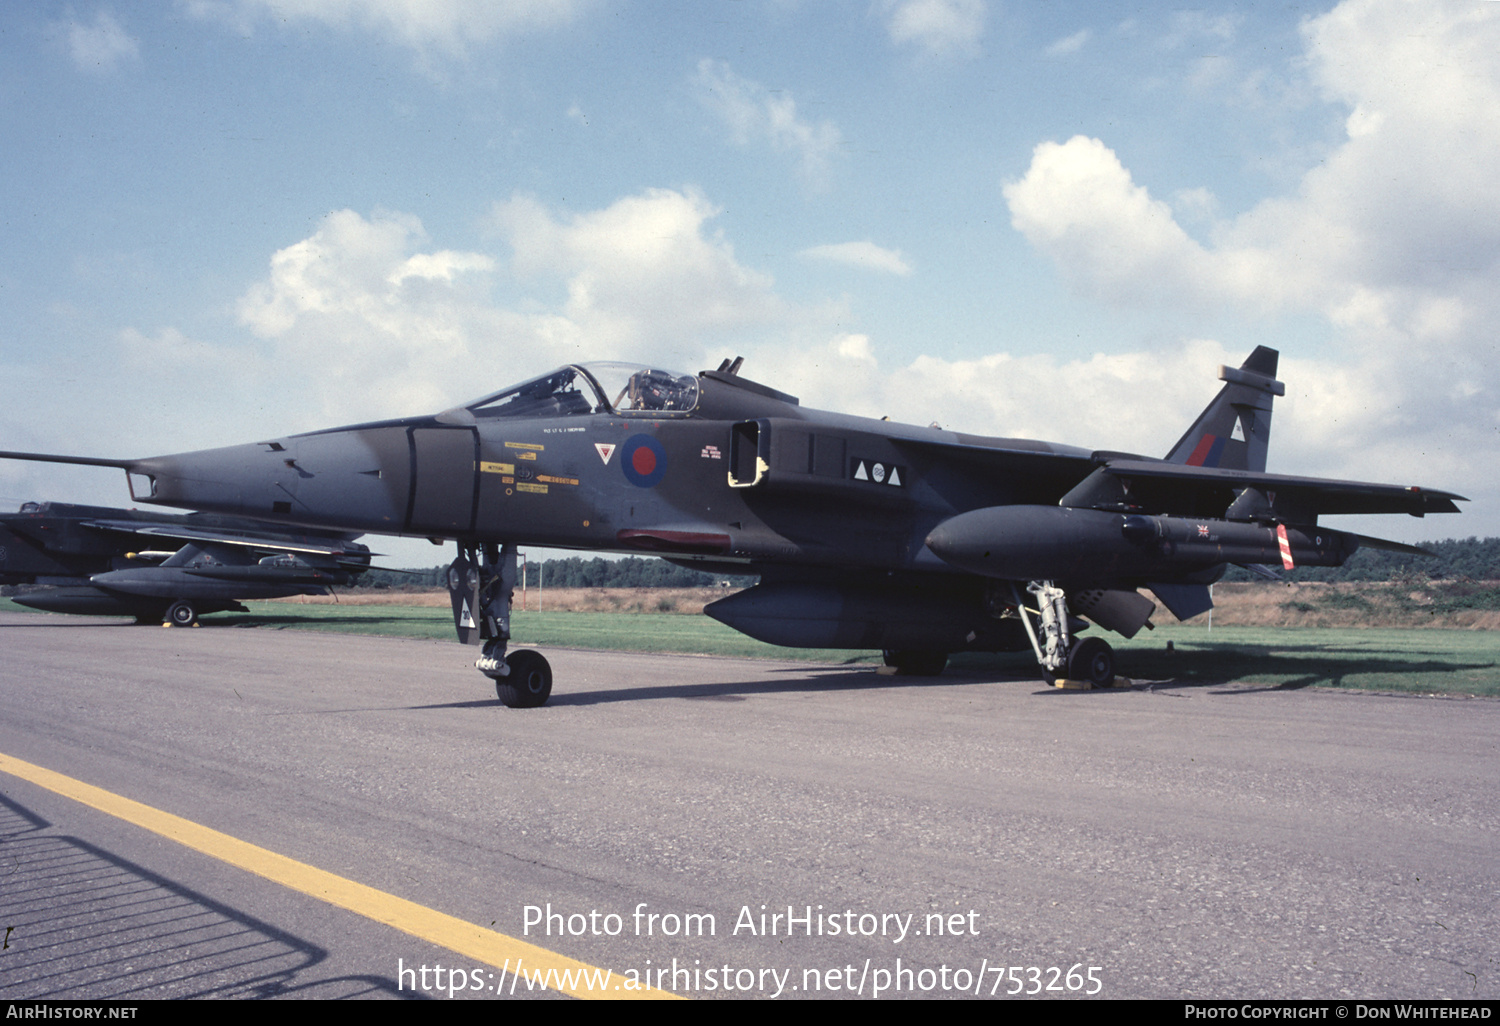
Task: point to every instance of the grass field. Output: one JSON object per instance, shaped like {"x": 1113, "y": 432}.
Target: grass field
{"x": 1383, "y": 659}
{"x": 1425, "y": 661}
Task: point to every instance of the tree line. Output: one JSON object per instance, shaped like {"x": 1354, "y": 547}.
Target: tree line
{"x": 1457, "y": 559}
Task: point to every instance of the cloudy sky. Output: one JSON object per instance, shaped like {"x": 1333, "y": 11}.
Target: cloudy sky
{"x": 231, "y": 219}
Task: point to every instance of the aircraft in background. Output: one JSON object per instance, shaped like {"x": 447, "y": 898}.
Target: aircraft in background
{"x": 164, "y": 567}
{"x": 865, "y": 534}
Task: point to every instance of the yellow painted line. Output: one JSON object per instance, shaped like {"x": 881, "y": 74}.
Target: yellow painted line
{"x": 549, "y": 969}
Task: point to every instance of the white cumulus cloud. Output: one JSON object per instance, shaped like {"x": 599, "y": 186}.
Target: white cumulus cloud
{"x": 645, "y": 277}
{"x": 937, "y": 28}
{"x": 1136, "y": 402}
{"x": 1393, "y": 240}
{"x": 376, "y": 321}
{"x": 754, "y": 114}
{"x": 373, "y": 325}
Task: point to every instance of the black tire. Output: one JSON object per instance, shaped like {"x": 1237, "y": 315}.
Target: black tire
{"x": 916, "y": 662}
{"x": 181, "y": 613}
{"x": 529, "y": 683}
{"x": 1092, "y": 660}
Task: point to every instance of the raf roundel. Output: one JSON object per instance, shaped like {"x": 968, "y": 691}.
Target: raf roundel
{"x": 643, "y": 460}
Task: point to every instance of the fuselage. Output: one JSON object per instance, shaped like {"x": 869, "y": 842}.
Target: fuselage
{"x": 745, "y": 475}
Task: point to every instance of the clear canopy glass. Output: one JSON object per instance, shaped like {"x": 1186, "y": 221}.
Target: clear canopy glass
{"x": 623, "y": 388}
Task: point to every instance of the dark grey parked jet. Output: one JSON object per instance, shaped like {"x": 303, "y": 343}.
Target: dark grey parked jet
{"x": 165, "y": 567}
{"x": 866, "y": 534}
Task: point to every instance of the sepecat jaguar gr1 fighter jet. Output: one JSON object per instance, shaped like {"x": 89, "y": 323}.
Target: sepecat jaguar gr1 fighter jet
{"x": 866, "y": 534}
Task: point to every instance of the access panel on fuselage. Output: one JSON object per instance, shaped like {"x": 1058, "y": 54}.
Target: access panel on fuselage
{"x": 444, "y": 468}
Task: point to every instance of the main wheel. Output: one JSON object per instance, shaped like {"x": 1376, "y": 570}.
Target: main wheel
{"x": 916, "y": 662}
{"x": 181, "y": 613}
{"x": 1092, "y": 659}
{"x": 529, "y": 683}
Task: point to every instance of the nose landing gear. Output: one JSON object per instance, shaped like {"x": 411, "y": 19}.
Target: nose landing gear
{"x": 481, "y": 584}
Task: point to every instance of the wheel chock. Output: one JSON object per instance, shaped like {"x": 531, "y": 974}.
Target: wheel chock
{"x": 1083, "y": 685}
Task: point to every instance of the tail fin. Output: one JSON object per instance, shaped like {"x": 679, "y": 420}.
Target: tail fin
{"x": 1234, "y": 432}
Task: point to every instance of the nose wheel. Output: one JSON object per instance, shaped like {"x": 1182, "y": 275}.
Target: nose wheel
{"x": 529, "y": 682}
{"x": 481, "y": 583}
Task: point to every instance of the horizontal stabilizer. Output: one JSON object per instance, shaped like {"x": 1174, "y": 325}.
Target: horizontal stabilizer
{"x": 1366, "y": 542}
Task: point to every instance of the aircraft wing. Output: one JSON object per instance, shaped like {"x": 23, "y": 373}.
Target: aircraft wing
{"x": 262, "y": 542}
{"x": 1124, "y": 480}
{"x": 1206, "y": 487}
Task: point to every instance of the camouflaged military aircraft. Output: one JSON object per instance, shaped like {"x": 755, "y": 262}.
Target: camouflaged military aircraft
{"x": 164, "y": 567}
{"x": 916, "y": 541}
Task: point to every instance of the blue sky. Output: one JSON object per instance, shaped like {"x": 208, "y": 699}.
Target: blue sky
{"x": 230, "y": 219}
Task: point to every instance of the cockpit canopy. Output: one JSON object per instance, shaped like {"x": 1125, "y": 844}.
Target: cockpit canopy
{"x": 627, "y": 389}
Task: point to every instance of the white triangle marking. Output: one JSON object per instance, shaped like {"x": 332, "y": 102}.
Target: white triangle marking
{"x": 895, "y": 478}
{"x": 859, "y": 472}
{"x": 605, "y": 451}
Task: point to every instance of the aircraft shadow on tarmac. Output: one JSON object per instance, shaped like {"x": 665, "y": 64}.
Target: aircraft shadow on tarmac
{"x": 778, "y": 681}
{"x": 365, "y": 620}
{"x": 81, "y": 923}
{"x": 1296, "y": 665}
{"x": 1205, "y": 667}
{"x": 1200, "y": 665}
{"x": 794, "y": 679}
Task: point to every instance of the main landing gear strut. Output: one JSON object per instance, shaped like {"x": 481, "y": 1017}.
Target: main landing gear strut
{"x": 1060, "y": 655}
{"x": 481, "y": 584}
